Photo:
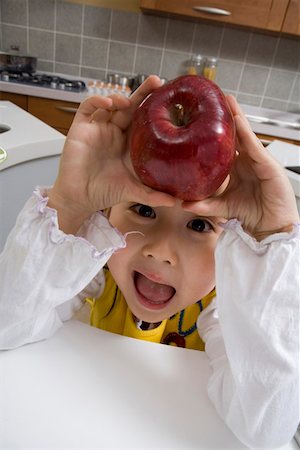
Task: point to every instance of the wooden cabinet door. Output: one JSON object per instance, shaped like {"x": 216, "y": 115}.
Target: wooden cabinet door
{"x": 291, "y": 22}
{"x": 267, "y": 139}
{"x": 262, "y": 14}
{"x": 18, "y": 99}
{"x": 56, "y": 113}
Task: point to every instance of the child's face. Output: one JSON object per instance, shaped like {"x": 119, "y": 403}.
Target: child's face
{"x": 167, "y": 267}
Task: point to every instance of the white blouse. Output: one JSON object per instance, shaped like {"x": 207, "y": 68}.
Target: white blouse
{"x": 251, "y": 329}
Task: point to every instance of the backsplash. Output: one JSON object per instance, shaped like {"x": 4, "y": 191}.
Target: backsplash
{"x": 90, "y": 42}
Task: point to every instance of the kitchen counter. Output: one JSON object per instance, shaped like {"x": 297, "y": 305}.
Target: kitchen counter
{"x": 27, "y": 137}
{"x": 288, "y": 155}
{"x": 283, "y": 124}
{"x": 88, "y": 388}
{"x": 29, "y": 156}
{"x": 272, "y": 122}
{"x": 38, "y": 91}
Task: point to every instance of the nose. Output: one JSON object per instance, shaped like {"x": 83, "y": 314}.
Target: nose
{"x": 162, "y": 246}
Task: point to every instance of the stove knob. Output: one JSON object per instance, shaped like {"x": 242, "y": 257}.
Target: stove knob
{"x": 61, "y": 86}
{"x": 5, "y": 77}
{"x": 53, "y": 84}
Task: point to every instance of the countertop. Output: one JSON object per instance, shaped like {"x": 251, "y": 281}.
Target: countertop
{"x": 88, "y": 388}
{"x": 27, "y": 138}
{"x": 38, "y": 91}
{"x": 290, "y": 132}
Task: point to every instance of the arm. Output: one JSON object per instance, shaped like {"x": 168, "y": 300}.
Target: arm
{"x": 43, "y": 271}
{"x": 45, "y": 263}
{"x": 252, "y": 336}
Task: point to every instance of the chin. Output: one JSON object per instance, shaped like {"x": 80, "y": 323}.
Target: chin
{"x": 151, "y": 313}
{"x": 150, "y": 316}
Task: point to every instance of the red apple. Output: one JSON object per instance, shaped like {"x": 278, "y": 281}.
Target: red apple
{"x": 183, "y": 138}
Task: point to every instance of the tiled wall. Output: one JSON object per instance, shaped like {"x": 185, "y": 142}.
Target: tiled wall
{"x": 88, "y": 41}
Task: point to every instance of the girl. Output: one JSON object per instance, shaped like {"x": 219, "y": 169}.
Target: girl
{"x": 164, "y": 258}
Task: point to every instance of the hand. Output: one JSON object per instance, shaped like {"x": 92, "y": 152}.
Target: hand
{"x": 95, "y": 170}
{"x": 258, "y": 192}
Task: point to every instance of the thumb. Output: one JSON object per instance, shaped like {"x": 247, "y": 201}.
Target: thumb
{"x": 140, "y": 193}
{"x": 209, "y": 207}
{"x": 156, "y": 198}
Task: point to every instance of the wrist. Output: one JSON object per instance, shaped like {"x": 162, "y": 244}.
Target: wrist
{"x": 70, "y": 216}
{"x": 263, "y": 234}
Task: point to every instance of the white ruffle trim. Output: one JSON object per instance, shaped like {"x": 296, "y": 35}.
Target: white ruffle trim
{"x": 236, "y": 226}
{"x": 90, "y": 234}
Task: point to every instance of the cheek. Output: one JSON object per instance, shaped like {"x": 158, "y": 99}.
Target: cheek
{"x": 116, "y": 265}
{"x": 117, "y": 262}
{"x": 120, "y": 262}
{"x": 200, "y": 269}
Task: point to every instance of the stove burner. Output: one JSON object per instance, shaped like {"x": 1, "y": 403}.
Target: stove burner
{"x": 44, "y": 80}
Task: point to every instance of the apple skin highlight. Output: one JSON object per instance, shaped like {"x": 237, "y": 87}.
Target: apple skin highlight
{"x": 183, "y": 138}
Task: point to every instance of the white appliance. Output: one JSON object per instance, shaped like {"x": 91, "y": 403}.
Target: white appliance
{"x": 288, "y": 155}
{"x": 29, "y": 156}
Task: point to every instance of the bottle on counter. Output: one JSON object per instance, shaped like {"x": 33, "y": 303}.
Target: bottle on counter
{"x": 113, "y": 84}
{"x": 196, "y": 65}
{"x": 91, "y": 87}
{"x": 124, "y": 86}
{"x": 210, "y": 68}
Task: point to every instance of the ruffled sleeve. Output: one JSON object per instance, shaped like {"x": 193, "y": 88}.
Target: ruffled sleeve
{"x": 41, "y": 268}
{"x": 251, "y": 333}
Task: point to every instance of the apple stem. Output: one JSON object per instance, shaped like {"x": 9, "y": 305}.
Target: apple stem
{"x": 179, "y": 114}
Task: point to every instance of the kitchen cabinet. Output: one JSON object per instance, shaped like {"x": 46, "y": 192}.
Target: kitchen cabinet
{"x": 271, "y": 15}
{"x": 60, "y": 114}
{"x": 267, "y": 139}
{"x": 291, "y": 22}
{"x": 17, "y": 99}
{"x": 56, "y": 113}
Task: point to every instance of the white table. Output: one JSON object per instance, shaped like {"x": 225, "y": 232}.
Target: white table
{"x": 86, "y": 388}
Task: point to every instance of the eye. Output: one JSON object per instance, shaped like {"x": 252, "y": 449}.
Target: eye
{"x": 200, "y": 225}
{"x": 144, "y": 211}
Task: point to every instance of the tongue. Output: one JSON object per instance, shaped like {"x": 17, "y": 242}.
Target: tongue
{"x": 153, "y": 291}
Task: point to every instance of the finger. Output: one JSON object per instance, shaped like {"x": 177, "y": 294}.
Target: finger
{"x": 210, "y": 207}
{"x": 233, "y": 104}
{"x": 123, "y": 120}
{"x": 223, "y": 187}
{"x": 213, "y": 206}
{"x": 119, "y": 102}
{"x": 138, "y": 192}
{"x": 88, "y": 107}
{"x": 150, "y": 84}
{"x": 248, "y": 142}
{"x": 156, "y": 198}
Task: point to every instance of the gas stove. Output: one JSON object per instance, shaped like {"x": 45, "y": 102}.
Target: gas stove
{"x": 44, "y": 80}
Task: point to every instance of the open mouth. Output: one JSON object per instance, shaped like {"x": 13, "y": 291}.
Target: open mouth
{"x": 152, "y": 294}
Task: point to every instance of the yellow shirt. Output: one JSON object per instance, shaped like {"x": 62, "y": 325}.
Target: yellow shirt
{"x": 111, "y": 313}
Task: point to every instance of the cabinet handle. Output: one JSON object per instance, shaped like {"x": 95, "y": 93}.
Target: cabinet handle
{"x": 210, "y": 10}
{"x": 67, "y": 109}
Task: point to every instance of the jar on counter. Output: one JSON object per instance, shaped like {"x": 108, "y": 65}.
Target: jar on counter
{"x": 210, "y": 69}
{"x": 196, "y": 65}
